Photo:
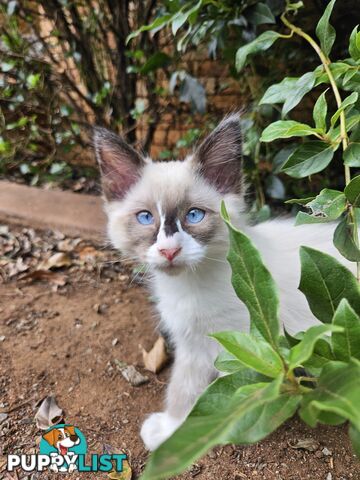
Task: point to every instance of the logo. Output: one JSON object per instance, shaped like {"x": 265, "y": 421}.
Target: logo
{"x": 63, "y": 449}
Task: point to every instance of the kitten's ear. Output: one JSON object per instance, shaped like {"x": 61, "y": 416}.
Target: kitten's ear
{"x": 120, "y": 165}
{"x": 218, "y": 158}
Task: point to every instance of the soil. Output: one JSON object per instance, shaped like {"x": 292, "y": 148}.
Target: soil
{"x": 60, "y": 338}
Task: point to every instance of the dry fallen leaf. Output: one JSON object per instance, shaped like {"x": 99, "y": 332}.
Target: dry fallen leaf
{"x": 88, "y": 253}
{"x": 130, "y": 374}
{"x": 18, "y": 267}
{"x": 306, "y": 444}
{"x": 3, "y": 463}
{"x": 126, "y": 474}
{"x": 48, "y": 414}
{"x": 3, "y": 417}
{"x": 157, "y": 357}
{"x": 68, "y": 245}
{"x": 52, "y": 277}
{"x": 57, "y": 260}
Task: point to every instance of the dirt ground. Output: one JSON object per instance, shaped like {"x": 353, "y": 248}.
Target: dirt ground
{"x": 61, "y": 332}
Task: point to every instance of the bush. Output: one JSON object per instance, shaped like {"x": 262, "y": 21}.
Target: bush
{"x": 65, "y": 66}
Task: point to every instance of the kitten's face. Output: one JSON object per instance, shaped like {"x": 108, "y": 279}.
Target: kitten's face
{"x": 166, "y": 214}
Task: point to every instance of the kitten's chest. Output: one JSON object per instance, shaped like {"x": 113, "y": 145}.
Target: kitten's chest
{"x": 199, "y": 304}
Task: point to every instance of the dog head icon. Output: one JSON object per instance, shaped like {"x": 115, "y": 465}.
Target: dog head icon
{"x": 62, "y": 438}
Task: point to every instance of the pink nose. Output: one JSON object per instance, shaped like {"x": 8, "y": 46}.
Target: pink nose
{"x": 170, "y": 253}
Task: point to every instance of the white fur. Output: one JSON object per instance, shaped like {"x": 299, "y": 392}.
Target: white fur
{"x": 157, "y": 428}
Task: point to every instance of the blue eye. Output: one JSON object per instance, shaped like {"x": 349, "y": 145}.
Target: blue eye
{"x": 195, "y": 215}
{"x": 145, "y": 217}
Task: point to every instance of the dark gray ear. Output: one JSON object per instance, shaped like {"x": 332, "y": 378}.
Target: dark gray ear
{"x": 120, "y": 165}
{"x": 218, "y": 158}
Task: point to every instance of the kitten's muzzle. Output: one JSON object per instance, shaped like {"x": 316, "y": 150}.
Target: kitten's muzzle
{"x": 170, "y": 253}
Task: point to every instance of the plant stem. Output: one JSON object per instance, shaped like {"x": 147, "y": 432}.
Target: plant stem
{"x": 344, "y": 138}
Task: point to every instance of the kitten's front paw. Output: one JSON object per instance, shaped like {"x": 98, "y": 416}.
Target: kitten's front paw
{"x": 157, "y": 428}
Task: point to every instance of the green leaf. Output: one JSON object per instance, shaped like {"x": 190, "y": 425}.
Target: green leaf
{"x": 260, "y": 14}
{"x": 33, "y": 80}
{"x": 308, "y": 158}
{"x": 218, "y": 394}
{"x": 354, "y": 435}
{"x": 24, "y": 169}
{"x": 324, "y": 31}
{"x": 7, "y": 66}
{"x": 21, "y": 122}
{"x": 158, "y": 60}
{"x": 324, "y": 282}
{"x": 352, "y": 120}
{"x": 157, "y": 23}
{"x": 182, "y": 16}
{"x": 303, "y": 218}
{"x": 201, "y": 432}
{"x": 354, "y": 46}
{"x": 227, "y": 363}
{"x": 279, "y": 92}
{"x": 293, "y": 339}
{"x": 352, "y": 155}
{"x": 300, "y": 201}
{"x": 337, "y": 394}
{"x": 302, "y": 86}
{"x": 337, "y": 70}
{"x": 286, "y": 129}
{"x": 5, "y": 146}
{"x": 275, "y": 187}
{"x": 346, "y": 344}
{"x": 259, "y": 423}
{"x": 261, "y": 43}
{"x": 289, "y": 91}
{"x": 301, "y": 352}
{"x": 253, "y": 283}
{"x": 252, "y": 352}
{"x": 344, "y": 240}
{"x": 321, "y": 355}
{"x": 261, "y": 215}
{"x": 328, "y": 205}
{"x": 349, "y": 75}
{"x": 352, "y": 191}
{"x": 11, "y": 7}
{"x": 193, "y": 92}
{"x": 320, "y": 112}
{"x": 350, "y": 100}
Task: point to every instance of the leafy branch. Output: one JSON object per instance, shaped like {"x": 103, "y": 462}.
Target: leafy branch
{"x": 313, "y": 156}
{"x": 327, "y": 36}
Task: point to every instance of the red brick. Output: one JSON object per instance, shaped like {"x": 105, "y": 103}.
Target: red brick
{"x": 160, "y": 137}
{"x": 226, "y": 102}
{"x": 173, "y": 137}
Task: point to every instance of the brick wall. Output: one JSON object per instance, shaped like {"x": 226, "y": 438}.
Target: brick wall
{"x": 224, "y": 94}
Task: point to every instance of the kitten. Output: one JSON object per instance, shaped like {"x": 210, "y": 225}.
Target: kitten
{"x": 166, "y": 214}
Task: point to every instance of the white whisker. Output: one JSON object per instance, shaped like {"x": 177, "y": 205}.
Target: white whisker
{"x": 215, "y": 259}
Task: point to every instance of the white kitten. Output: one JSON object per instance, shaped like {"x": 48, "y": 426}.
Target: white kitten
{"x": 166, "y": 214}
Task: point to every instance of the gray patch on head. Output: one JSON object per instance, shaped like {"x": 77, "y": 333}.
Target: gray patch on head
{"x": 141, "y": 237}
{"x": 170, "y": 224}
{"x": 205, "y": 231}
